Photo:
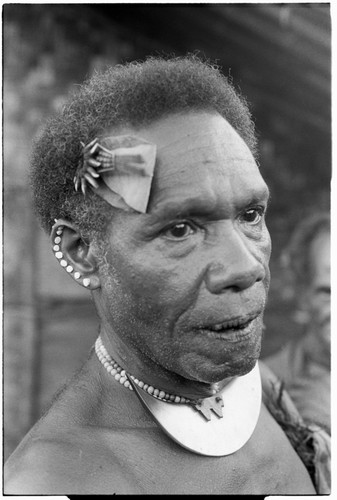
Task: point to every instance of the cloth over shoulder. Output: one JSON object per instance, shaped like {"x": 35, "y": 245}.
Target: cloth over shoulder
{"x": 311, "y": 442}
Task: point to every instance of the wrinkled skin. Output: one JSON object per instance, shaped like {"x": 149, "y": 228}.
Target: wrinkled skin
{"x": 198, "y": 258}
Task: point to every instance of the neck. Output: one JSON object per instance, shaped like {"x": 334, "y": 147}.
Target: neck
{"x": 156, "y": 376}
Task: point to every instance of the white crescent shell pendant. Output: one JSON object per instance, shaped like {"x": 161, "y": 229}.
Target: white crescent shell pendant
{"x": 219, "y": 436}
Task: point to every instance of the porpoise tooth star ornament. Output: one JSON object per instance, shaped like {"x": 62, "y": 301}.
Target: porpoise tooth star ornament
{"x": 119, "y": 169}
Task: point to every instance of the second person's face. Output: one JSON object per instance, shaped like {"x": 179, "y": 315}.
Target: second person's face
{"x": 319, "y": 296}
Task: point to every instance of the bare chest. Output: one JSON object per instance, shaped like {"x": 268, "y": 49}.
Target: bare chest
{"x": 148, "y": 462}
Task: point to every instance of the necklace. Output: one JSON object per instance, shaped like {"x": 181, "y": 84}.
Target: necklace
{"x": 123, "y": 378}
{"x": 216, "y": 434}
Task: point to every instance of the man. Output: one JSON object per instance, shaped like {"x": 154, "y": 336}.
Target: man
{"x": 148, "y": 186}
{"x": 304, "y": 363}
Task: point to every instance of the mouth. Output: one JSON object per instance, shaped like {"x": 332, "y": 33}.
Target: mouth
{"x": 234, "y": 329}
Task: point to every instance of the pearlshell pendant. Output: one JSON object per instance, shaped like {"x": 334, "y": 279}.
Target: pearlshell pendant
{"x": 218, "y": 436}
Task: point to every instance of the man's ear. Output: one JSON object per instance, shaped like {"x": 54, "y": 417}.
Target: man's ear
{"x": 74, "y": 254}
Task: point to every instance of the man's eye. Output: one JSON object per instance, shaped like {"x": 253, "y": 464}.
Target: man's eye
{"x": 253, "y": 216}
{"x": 179, "y": 231}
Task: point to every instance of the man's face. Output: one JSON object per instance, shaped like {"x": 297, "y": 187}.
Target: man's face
{"x": 188, "y": 280}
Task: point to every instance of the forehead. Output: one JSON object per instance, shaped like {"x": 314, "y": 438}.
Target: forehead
{"x": 200, "y": 155}
{"x": 196, "y": 133}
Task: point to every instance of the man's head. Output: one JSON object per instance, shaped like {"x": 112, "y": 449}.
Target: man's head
{"x": 181, "y": 289}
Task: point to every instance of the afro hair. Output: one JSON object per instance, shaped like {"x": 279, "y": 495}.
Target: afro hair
{"x": 134, "y": 94}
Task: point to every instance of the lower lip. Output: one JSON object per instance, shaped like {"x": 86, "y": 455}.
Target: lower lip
{"x": 232, "y": 334}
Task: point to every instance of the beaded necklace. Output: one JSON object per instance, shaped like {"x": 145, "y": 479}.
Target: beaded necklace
{"x": 120, "y": 375}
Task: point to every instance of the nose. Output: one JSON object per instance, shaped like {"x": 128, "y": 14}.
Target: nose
{"x": 237, "y": 268}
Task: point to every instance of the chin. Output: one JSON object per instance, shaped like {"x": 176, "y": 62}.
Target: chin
{"x": 210, "y": 373}
{"x": 238, "y": 362}
{"x": 244, "y": 367}
{"x": 240, "y": 368}
{"x": 221, "y": 360}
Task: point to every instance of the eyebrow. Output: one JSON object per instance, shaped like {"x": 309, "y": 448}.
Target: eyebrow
{"x": 261, "y": 194}
{"x": 188, "y": 206}
{"x": 204, "y": 208}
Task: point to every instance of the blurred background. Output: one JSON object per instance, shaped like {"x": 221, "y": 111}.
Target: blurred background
{"x": 278, "y": 55}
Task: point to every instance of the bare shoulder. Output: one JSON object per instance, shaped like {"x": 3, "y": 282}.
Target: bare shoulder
{"x": 70, "y": 462}
{"x": 73, "y": 449}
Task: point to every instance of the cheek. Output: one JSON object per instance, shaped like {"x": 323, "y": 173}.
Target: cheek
{"x": 320, "y": 310}
{"x": 154, "y": 286}
{"x": 266, "y": 248}
{"x": 169, "y": 288}
{"x": 266, "y": 245}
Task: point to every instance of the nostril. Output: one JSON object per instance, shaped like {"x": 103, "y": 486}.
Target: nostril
{"x": 236, "y": 277}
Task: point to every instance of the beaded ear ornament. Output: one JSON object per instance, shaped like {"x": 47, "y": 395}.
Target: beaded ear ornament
{"x": 119, "y": 169}
{"x": 63, "y": 263}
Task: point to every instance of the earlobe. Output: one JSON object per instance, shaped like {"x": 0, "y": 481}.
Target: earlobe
{"x": 74, "y": 254}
